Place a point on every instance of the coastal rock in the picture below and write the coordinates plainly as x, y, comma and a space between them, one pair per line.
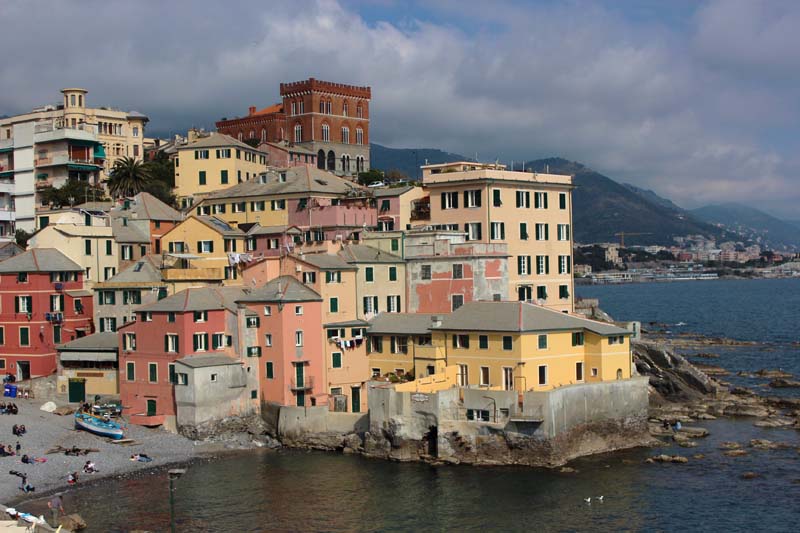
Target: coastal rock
781, 383
730, 445
764, 444
72, 522
671, 376
664, 458
746, 410
698, 456
706, 355
735, 453
750, 475
766, 373
694, 433
712, 370
775, 422
567, 470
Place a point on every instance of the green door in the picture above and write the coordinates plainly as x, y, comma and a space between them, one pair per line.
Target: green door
355, 399
299, 375
151, 408
77, 390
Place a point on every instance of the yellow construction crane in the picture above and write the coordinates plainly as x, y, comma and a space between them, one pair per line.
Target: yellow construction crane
622, 234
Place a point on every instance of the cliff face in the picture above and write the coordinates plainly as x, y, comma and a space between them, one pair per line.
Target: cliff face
672, 378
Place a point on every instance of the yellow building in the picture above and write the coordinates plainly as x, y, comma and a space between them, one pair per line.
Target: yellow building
530, 212
380, 280
212, 163
88, 366
204, 246
503, 346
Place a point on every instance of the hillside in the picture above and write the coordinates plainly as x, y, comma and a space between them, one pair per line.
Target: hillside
603, 207
652, 197
408, 160
751, 224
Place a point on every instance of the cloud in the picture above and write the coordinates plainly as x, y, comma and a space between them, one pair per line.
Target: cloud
690, 110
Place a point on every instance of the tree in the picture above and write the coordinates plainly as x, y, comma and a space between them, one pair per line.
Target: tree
22, 236
129, 177
371, 176
162, 169
73, 192
253, 141
162, 191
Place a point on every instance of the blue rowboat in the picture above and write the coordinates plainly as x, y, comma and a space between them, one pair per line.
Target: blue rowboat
98, 426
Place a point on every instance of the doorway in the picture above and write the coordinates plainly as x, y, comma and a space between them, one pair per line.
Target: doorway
355, 397
77, 390
23, 370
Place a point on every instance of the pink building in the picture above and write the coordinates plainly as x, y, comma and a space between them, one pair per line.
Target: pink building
284, 154
43, 303
190, 323
289, 316
325, 218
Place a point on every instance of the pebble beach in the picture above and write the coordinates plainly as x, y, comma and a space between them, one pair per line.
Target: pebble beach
46, 431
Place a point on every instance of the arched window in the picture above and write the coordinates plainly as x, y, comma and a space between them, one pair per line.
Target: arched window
359, 136
322, 106
345, 135
359, 112
347, 164
326, 133
328, 107
331, 161
298, 133
359, 164
321, 159
240, 135
252, 134
264, 135
344, 108
619, 373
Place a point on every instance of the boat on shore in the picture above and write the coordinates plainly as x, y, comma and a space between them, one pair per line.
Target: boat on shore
98, 426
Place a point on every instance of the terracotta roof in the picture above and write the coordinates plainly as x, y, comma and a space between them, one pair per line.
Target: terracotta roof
275, 108
298, 180
282, 289
217, 140
361, 253
198, 299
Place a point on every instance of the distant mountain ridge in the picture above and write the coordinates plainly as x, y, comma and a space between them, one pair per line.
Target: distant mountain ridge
751, 224
602, 206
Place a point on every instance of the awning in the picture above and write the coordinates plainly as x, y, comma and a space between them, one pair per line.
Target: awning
41, 176
89, 356
99, 152
89, 168
184, 256
9, 149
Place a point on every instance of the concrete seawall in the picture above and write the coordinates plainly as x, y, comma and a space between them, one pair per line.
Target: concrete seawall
477, 426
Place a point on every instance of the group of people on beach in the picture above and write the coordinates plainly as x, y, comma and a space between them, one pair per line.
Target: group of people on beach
8, 408
19, 430
7, 451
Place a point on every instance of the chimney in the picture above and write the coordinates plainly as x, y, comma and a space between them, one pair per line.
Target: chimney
251, 110
192, 135
436, 321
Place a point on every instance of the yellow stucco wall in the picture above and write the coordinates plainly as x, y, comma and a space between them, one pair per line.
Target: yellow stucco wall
188, 168
103, 382
70, 240
190, 231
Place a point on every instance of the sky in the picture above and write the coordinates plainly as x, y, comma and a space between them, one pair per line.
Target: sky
696, 100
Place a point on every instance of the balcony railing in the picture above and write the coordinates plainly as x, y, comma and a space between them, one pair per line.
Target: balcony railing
303, 384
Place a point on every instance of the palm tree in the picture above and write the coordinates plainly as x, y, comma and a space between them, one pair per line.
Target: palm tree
129, 176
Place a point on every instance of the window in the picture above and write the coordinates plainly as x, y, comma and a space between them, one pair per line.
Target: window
223, 153
205, 247
173, 376
562, 200
525, 293
425, 272
472, 198
542, 264
484, 375
458, 271
473, 230
336, 360
392, 273
425, 340
268, 340
171, 343
201, 154
541, 292
523, 265
309, 277
463, 375
132, 297
594, 372
376, 344
109, 272
171, 317
252, 321
460, 341
542, 374
24, 336
22, 277
270, 370
498, 231
563, 292
87, 247
393, 303
616, 339
563, 232
278, 205
298, 310
56, 303
483, 342
298, 338
130, 371
540, 200
238, 207
24, 304
152, 372
579, 371
201, 177
129, 342
564, 264
370, 304
108, 324
200, 316
496, 199
258, 206
369, 274
345, 135
333, 277
359, 136
200, 342
457, 301
326, 133
542, 342
254, 351
181, 378
449, 200
127, 252
334, 305
298, 133
523, 199
2, 338
267, 310
109, 247
542, 232
508, 342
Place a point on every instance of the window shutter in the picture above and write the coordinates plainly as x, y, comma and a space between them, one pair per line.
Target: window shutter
519, 264
479, 236
113, 298
16, 304
375, 302
478, 198
569, 265
519, 198
544, 195
398, 304
61, 302
567, 231
205, 338
444, 200
547, 264
497, 201
366, 303
466, 198
166, 343
547, 232
503, 231
527, 198
528, 263
195, 344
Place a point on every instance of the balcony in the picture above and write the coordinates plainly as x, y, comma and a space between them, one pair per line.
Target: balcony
65, 159
421, 209
193, 274
306, 383
7, 214
6, 186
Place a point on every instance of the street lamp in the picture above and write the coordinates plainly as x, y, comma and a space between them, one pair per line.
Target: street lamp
173, 474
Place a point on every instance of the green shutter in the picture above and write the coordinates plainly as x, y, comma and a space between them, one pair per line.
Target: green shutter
205, 338
369, 274
395, 245
87, 247
16, 304
392, 273
497, 201
270, 370
166, 343
131, 371
173, 376
109, 245
153, 372
334, 305
24, 336
223, 177
483, 342
202, 178
195, 344
337, 360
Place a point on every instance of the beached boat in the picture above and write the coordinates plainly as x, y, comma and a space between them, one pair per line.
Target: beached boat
98, 426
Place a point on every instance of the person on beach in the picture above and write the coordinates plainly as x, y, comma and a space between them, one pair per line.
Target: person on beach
56, 506
72, 479
26, 487
18, 447
89, 467
31, 460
